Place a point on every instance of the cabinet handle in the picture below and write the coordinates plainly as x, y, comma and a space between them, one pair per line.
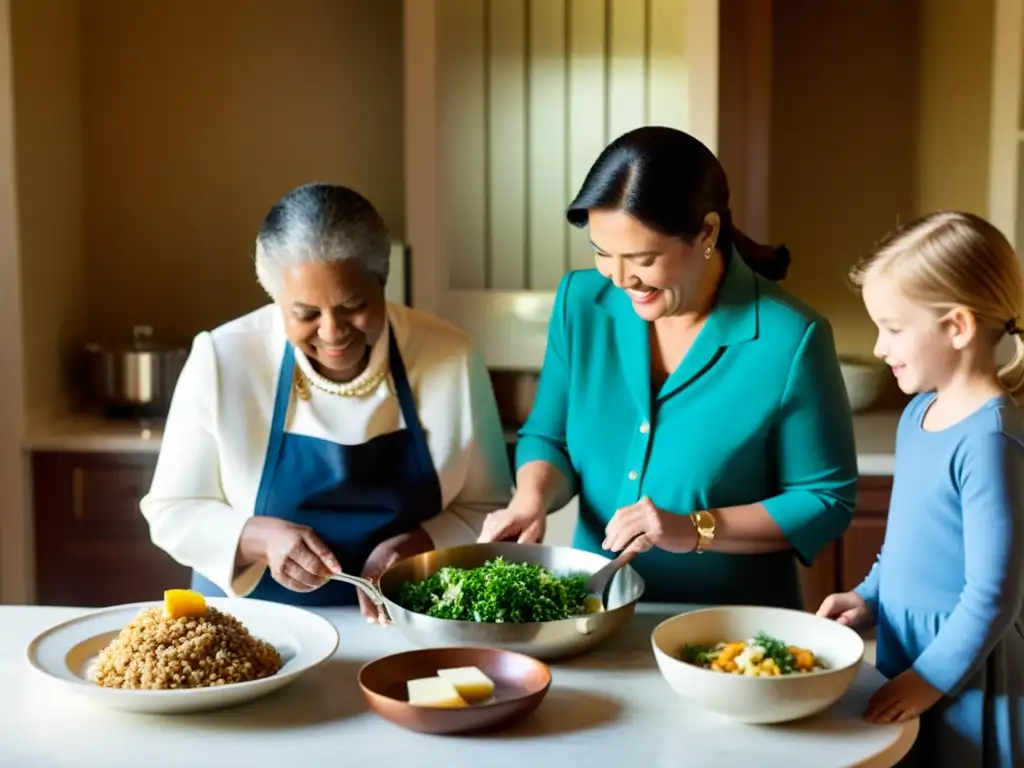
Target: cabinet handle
78, 494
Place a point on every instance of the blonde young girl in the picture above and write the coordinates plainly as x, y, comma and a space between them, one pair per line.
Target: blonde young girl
947, 588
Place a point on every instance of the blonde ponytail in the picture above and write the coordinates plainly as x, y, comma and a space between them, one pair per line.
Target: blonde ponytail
1011, 375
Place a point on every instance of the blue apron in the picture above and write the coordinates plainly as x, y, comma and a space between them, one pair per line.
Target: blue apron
353, 496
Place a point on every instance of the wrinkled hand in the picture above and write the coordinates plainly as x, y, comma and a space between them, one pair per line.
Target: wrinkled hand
847, 608
903, 698
525, 520
641, 526
297, 558
383, 556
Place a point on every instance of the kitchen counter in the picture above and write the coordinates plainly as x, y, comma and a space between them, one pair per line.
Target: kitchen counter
610, 707
875, 436
87, 433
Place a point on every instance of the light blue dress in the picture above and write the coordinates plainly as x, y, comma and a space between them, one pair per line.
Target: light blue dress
948, 586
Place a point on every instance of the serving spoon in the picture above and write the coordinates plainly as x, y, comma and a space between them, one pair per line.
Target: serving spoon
599, 581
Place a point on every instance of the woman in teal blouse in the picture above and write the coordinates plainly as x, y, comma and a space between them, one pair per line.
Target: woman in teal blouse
696, 408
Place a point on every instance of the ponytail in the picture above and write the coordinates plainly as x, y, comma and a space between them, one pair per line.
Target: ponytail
769, 261
1011, 375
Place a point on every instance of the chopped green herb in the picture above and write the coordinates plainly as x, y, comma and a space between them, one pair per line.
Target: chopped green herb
700, 654
498, 592
776, 650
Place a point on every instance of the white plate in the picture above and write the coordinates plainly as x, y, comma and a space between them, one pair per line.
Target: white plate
65, 653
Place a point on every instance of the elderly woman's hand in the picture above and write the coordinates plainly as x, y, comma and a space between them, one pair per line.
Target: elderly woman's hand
641, 526
384, 555
297, 558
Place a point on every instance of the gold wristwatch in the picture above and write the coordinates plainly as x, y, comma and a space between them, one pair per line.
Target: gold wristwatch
704, 524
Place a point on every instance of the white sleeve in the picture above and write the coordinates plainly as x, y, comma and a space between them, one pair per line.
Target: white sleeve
487, 485
185, 508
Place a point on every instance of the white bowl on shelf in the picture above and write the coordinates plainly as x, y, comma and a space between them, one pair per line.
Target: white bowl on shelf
865, 380
758, 700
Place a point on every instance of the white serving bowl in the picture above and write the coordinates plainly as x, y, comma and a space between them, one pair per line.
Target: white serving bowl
758, 699
864, 379
65, 653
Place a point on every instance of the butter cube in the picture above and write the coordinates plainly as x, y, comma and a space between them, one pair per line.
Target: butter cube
472, 684
434, 692
179, 603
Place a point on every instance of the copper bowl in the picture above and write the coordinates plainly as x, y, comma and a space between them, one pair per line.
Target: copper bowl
520, 684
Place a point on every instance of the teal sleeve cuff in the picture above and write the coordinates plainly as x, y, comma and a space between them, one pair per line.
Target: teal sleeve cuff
809, 520
533, 448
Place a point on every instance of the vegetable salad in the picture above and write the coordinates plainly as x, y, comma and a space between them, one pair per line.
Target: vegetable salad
760, 656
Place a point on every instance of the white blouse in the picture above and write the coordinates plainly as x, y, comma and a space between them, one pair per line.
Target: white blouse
217, 431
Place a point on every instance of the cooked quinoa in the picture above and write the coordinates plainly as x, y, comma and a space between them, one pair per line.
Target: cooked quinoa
156, 652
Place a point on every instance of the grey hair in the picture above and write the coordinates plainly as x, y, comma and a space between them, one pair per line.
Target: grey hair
320, 223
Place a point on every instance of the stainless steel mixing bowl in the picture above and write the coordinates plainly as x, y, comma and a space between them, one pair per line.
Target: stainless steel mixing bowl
547, 641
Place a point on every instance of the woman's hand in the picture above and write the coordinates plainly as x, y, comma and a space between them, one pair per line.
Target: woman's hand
847, 608
384, 555
641, 526
298, 559
524, 520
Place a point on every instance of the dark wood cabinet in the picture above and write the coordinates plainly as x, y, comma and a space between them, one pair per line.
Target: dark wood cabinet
92, 543
843, 564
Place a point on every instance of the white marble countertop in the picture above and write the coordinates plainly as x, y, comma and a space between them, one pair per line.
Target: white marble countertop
610, 707
875, 436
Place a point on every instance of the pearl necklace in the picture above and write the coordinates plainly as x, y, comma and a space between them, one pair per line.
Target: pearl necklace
363, 384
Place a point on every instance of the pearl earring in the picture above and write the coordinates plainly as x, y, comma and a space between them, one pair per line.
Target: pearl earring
707, 253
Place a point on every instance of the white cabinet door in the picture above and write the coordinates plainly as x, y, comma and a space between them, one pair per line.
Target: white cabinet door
508, 103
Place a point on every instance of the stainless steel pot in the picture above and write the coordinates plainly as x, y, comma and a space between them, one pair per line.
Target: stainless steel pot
546, 641
137, 377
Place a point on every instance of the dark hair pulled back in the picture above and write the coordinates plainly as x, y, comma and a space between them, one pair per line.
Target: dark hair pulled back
670, 181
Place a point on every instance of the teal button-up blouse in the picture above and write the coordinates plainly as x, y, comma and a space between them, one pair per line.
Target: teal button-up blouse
756, 412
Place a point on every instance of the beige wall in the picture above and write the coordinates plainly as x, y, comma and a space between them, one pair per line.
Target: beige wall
45, 56
880, 112
198, 115
843, 130
954, 102
155, 135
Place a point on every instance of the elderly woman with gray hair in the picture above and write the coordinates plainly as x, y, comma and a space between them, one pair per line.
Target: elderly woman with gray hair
328, 431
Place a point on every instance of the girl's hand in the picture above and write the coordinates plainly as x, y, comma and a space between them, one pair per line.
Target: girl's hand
903, 698
642, 525
848, 608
